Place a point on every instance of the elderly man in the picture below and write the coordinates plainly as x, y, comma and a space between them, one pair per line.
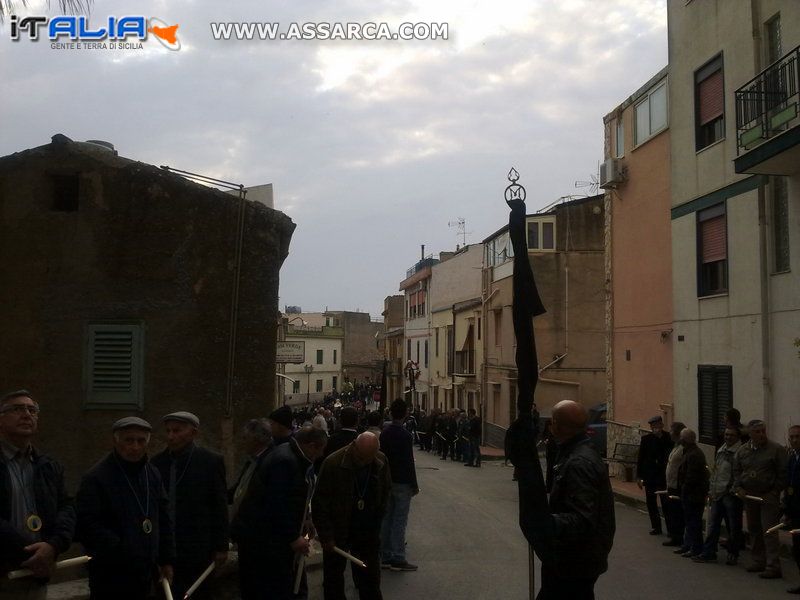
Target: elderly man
582, 506
693, 485
651, 469
270, 525
37, 517
674, 510
724, 504
792, 496
760, 471
347, 509
194, 479
257, 442
123, 518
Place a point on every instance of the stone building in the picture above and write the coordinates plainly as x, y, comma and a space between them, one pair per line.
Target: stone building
127, 289
565, 248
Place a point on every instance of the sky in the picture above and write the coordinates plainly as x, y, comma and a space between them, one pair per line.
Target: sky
373, 147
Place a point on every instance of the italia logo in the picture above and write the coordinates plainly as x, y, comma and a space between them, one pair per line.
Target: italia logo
77, 29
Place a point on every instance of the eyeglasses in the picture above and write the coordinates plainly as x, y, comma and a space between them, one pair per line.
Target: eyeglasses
18, 409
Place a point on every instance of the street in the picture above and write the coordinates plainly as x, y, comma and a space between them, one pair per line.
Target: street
463, 534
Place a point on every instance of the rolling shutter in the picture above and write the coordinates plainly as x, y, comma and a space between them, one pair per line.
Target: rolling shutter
711, 98
714, 238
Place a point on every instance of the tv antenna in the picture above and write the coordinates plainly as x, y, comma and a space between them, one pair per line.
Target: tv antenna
461, 224
593, 184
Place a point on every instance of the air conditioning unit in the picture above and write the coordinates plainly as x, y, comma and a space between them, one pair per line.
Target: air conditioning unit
610, 173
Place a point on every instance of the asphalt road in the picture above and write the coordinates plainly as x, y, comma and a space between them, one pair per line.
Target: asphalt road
463, 534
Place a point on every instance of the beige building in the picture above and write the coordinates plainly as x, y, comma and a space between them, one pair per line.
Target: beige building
565, 249
321, 371
417, 328
455, 325
636, 179
392, 344
735, 166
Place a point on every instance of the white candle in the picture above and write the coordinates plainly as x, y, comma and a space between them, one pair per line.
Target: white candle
62, 564
349, 557
200, 580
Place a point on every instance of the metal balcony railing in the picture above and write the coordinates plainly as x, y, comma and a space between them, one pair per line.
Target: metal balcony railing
766, 104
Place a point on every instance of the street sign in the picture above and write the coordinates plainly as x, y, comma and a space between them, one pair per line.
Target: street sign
291, 352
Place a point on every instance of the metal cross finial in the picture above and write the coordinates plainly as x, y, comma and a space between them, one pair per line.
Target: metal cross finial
515, 194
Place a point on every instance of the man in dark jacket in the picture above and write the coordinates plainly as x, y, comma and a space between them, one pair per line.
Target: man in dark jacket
347, 509
398, 446
791, 498
269, 526
257, 441
693, 485
194, 479
474, 436
651, 469
581, 530
123, 518
37, 517
348, 419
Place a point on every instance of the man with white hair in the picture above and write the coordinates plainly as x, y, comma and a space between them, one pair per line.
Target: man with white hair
693, 485
123, 518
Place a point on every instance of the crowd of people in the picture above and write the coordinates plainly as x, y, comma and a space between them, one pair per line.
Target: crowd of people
167, 520
752, 478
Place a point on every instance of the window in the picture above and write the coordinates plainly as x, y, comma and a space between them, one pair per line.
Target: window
773, 48
709, 99
541, 235
114, 366
479, 328
408, 350
715, 398
426, 353
650, 114
619, 139
319, 357
335, 381
417, 351
450, 350
334, 356
712, 251
436, 350
499, 250
295, 387
498, 327
780, 224
319, 385
66, 192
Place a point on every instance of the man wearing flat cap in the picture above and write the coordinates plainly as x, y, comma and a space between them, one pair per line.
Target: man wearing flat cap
37, 517
123, 518
651, 470
194, 479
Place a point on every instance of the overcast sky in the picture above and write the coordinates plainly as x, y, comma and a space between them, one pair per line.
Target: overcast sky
372, 147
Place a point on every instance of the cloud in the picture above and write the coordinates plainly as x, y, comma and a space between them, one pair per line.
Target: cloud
372, 147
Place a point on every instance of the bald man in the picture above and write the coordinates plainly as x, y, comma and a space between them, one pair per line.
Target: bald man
348, 507
582, 509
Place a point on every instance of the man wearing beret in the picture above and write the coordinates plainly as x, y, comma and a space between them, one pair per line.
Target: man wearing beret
194, 479
651, 470
37, 517
123, 518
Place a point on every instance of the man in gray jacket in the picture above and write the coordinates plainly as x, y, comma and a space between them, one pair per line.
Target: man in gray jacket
760, 472
724, 504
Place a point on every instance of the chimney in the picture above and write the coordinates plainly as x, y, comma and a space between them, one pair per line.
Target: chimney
422, 252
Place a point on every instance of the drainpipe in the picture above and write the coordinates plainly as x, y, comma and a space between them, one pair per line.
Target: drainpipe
765, 305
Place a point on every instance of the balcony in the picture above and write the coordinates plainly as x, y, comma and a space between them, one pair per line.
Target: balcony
767, 123
464, 363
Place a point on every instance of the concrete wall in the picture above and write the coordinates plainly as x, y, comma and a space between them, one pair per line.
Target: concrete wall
143, 246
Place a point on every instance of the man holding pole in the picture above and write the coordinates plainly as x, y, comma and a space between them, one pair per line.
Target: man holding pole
270, 526
348, 507
194, 479
37, 517
123, 518
759, 477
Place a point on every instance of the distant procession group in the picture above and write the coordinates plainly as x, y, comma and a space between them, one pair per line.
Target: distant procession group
166, 523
